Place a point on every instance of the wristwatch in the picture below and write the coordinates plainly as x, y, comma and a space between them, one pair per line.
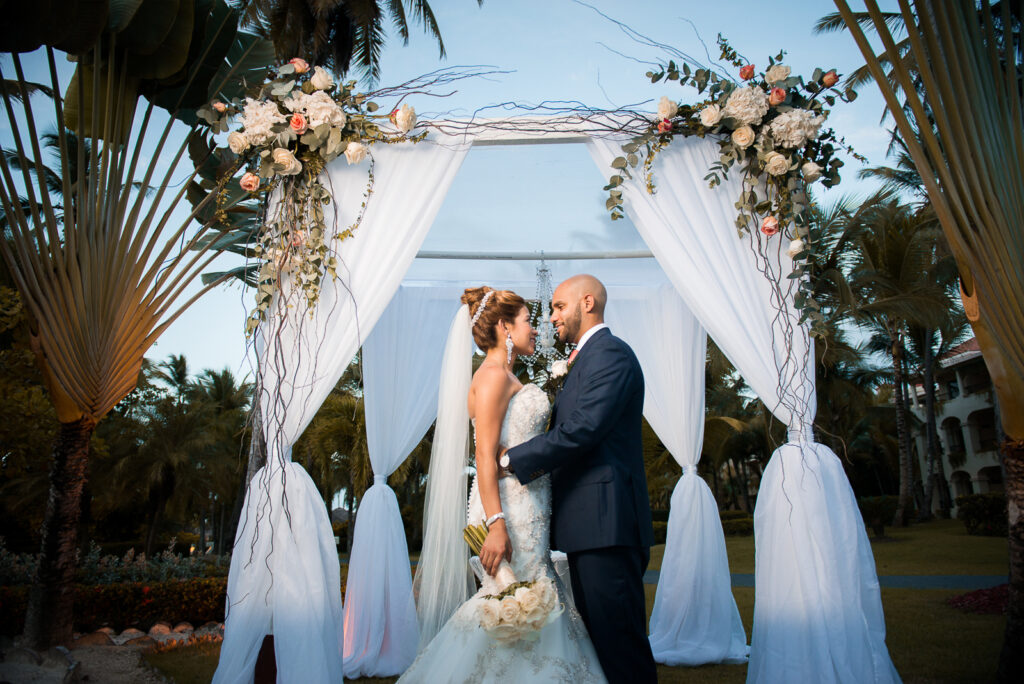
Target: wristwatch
503, 461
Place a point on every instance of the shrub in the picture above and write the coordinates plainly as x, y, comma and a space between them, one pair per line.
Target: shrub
983, 514
659, 515
732, 515
660, 531
739, 527
878, 511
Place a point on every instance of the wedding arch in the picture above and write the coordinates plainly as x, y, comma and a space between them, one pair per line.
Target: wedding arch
818, 612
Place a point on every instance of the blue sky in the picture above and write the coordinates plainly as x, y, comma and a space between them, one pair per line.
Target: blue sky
549, 197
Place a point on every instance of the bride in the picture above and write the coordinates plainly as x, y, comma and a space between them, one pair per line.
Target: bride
504, 412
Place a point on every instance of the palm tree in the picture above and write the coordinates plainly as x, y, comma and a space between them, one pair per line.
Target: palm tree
890, 288
338, 34
970, 113
102, 281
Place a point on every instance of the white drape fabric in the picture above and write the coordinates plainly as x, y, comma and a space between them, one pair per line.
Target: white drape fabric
818, 614
695, 619
292, 588
443, 579
401, 371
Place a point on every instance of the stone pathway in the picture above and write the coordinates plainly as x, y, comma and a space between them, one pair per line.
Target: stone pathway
961, 582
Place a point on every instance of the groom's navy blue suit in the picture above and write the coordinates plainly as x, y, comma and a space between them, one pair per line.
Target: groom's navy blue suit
601, 516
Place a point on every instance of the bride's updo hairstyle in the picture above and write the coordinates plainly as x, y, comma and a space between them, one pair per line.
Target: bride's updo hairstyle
503, 305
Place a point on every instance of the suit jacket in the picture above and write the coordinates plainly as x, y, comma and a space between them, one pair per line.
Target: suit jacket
594, 452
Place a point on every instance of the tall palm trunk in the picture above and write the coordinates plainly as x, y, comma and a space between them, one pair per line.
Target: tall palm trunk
49, 618
936, 480
902, 516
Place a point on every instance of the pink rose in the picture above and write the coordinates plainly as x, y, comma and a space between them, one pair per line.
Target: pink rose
301, 65
830, 79
393, 116
776, 96
298, 123
770, 226
665, 126
250, 182
298, 238
220, 107
747, 72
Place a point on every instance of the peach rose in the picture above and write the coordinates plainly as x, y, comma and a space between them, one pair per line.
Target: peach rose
355, 152
301, 65
220, 107
770, 226
830, 78
298, 123
776, 96
250, 182
298, 238
665, 126
743, 137
747, 72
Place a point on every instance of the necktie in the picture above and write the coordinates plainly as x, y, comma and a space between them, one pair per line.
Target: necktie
572, 355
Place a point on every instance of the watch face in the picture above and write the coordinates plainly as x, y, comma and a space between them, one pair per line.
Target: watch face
503, 461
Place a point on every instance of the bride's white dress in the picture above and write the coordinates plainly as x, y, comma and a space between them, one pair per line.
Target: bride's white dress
462, 651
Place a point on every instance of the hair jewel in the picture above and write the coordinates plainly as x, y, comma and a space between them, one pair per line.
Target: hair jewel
480, 310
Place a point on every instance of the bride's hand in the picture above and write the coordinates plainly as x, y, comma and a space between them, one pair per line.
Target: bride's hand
497, 546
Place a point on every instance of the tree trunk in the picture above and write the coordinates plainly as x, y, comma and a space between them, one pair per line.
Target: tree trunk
1011, 660
49, 619
902, 516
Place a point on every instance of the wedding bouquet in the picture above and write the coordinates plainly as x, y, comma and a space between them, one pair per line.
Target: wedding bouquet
521, 609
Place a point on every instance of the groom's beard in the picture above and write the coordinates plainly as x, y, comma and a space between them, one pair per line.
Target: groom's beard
570, 330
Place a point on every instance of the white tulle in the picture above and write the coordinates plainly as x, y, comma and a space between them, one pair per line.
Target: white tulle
443, 579
695, 619
722, 278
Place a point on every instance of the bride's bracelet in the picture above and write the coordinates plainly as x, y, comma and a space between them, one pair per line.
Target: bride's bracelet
500, 515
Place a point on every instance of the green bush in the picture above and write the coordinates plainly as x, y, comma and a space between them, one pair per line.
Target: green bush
739, 527
659, 515
660, 531
128, 604
983, 514
733, 515
878, 511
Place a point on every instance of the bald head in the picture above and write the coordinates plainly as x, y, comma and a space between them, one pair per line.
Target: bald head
578, 305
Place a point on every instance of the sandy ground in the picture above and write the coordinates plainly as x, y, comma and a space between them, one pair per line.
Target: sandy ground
96, 664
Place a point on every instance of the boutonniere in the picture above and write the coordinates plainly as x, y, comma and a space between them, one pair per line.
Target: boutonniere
556, 378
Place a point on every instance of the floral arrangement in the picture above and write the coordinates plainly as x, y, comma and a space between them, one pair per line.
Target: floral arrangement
521, 609
294, 123
770, 124
556, 378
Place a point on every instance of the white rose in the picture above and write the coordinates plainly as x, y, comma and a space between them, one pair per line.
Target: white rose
794, 128
777, 72
405, 119
508, 609
811, 172
559, 368
505, 633
321, 80
711, 115
666, 108
355, 152
746, 105
285, 162
487, 612
258, 118
237, 142
743, 137
776, 164
795, 247
528, 600
546, 592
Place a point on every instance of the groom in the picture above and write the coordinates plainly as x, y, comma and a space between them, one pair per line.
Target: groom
601, 517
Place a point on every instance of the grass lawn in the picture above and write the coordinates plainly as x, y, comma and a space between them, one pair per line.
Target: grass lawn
930, 642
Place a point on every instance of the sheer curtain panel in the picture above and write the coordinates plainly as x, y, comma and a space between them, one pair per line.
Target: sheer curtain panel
818, 611
695, 619
401, 372
285, 577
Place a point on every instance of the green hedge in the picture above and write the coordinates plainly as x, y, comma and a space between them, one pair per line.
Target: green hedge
738, 527
660, 531
128, 604
733, 515
878, 511
983, 514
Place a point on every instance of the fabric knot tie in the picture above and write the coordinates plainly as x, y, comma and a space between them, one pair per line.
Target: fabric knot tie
380, 479
800, 435
689, 469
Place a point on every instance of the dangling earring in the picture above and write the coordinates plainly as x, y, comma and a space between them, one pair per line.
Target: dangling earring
508, 347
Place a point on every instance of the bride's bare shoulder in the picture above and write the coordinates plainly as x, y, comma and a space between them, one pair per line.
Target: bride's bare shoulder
491, 387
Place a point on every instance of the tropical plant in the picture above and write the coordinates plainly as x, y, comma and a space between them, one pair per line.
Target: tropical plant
970, 114
99, 265
336, 33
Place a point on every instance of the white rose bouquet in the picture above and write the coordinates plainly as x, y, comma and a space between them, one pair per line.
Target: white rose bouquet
520, 611
556, 378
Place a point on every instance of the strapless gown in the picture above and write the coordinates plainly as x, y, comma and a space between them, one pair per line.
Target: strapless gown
462, 652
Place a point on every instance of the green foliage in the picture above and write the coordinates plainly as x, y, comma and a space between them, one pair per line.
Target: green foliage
983, 514
660, 531
738, 527
878, 511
